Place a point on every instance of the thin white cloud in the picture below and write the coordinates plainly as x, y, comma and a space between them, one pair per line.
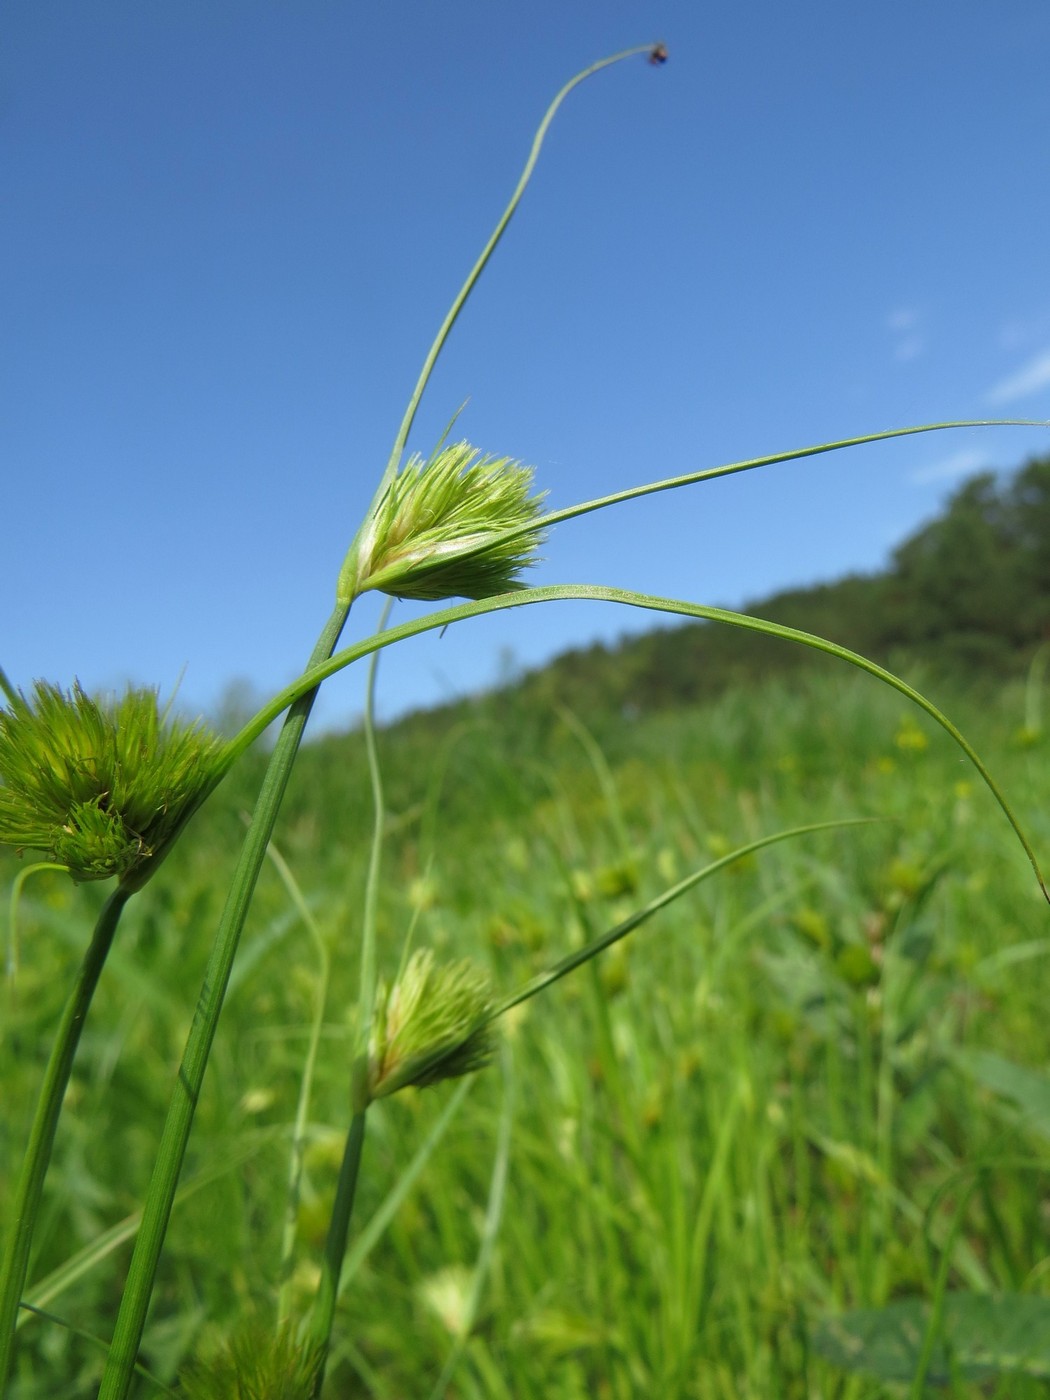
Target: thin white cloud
962, 463
910, 347
1020, 332
905, 324
1012, 335
1030, 379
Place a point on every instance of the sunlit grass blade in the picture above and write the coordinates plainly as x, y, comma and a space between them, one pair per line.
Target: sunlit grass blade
532, 529
10, 694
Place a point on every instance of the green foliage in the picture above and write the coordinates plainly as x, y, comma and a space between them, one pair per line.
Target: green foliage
460, 525
101, 788
977, 578
738, 1144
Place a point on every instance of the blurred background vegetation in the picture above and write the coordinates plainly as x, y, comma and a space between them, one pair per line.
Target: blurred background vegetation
812, 1092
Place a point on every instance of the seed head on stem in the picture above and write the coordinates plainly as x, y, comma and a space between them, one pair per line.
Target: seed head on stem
441, 529
102, 789
433, 1023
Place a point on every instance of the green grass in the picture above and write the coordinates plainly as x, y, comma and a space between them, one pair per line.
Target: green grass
749, 1115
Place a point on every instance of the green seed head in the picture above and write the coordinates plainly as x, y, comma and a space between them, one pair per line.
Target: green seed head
255, 1365
438, 531
432, 1024
101, 788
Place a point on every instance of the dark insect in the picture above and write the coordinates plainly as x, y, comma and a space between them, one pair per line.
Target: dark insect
658, 53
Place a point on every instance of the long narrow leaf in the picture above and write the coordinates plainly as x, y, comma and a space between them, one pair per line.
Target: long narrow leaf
598, 594
672, 483
606, 940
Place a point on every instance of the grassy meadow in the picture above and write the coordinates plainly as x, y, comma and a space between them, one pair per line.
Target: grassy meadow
815, 1084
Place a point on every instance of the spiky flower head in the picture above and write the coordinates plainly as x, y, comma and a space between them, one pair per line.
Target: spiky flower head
256, 1365
432, 1024
437, 532
101, 788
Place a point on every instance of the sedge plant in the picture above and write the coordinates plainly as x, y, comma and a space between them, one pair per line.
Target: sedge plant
104, 790
459, 523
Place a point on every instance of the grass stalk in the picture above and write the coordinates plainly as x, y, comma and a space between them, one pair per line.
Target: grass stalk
459, 302
339, 1225
368, 1238
138, 1290
28, 1191
131, 1318
302, 1108
159, 1388
335, 1242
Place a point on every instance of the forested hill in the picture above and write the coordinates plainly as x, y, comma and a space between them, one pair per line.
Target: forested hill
968, 592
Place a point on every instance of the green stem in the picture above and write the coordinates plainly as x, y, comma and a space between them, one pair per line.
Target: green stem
142, 1273
302, 1108
367, 988
490, 248
335, 1244
30, 1186
158, 1385
347, 576
339, 1226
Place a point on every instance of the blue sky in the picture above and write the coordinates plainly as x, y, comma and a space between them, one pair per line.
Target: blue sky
229, 231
